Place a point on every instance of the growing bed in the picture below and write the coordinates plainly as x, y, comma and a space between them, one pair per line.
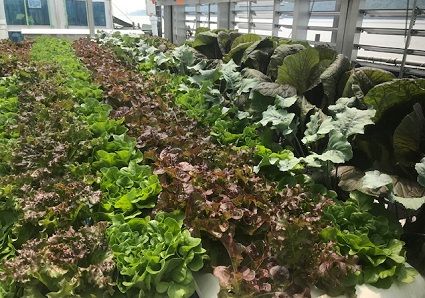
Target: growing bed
130, 166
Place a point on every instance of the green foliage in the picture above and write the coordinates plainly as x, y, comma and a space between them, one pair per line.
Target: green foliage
337, 151
52, 239
362, 79
278, 56
331, 76
409, 137
51, 266
194, 102
373, 239
206, 42
420, 168
234, 132
238, 47
245, 108
284, 160
300, 70
257, 55
280, 120
129, 188
394, 93
155, 257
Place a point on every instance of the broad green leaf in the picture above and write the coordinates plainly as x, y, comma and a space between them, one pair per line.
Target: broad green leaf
162, 287
329, 234
180, 291
353, 121
236, 53
409, 203
250, 73
388, 272
365, 78
285, 102
230, 75
406, 274
409, 137
300, 70
279, 54
311, 134
272, 90
184, 54
204, 39
205, 76
257, 55
245, 38
375, 180
395, 93
338, 150
224, 42
370, 275
239, 45
280, 119
326, 52
284, 160
327, 125
124, 203
342, 104
331, 76
207, 44
420, 169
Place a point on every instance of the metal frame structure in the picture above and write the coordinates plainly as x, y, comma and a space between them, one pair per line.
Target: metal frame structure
347, 25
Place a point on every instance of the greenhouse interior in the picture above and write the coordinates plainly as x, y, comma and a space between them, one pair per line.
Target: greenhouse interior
212, 149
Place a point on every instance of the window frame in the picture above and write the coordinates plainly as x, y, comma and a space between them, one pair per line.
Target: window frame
85, 24
45, 7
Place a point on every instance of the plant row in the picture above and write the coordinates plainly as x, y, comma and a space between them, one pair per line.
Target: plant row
245, 108
76, 196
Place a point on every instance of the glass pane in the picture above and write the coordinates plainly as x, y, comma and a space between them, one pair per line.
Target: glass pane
77, 12
391, 4
99, 13
15, 12
38, 12
323, 5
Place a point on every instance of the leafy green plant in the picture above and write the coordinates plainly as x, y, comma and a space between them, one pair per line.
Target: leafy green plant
373, 239
129, 188
66, 264
155, 257
311, 133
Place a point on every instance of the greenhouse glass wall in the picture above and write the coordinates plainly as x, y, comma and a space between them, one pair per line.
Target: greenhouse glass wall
365, 30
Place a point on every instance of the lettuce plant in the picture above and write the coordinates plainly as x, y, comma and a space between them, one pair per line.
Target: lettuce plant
374, 240
129, 188
155, 257
66, 264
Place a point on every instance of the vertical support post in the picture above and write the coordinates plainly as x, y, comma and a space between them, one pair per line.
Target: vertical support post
90, 17
350, 20
58, 14
249, 16
109, 15
408, 39
232, 15
159, 16
168, 22
223, 15
3, 24
276, 17
338, 6
209, 15
197, 15
300, 20
179, 24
